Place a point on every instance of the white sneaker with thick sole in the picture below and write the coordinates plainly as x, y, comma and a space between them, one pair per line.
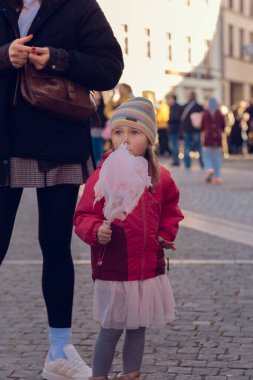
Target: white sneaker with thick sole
72, 368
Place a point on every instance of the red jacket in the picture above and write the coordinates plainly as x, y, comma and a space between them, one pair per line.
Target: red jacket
133, 252
212, 126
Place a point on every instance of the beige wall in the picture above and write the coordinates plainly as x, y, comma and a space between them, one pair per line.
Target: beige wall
237, 69
199, 21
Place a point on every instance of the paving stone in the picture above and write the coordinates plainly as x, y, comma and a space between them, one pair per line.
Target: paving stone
218, 364
239, 377
193, 363
232, 372
205, 371
188, 377
161, 376
180, 369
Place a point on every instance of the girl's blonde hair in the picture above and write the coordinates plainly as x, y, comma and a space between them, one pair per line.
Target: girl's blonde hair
153, 165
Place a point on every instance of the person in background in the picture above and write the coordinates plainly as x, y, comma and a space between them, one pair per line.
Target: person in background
131, 290
162, 117
174, 128
125, 92
249, 112
235, 140
97, 125
191, 135
212, 127
71, 39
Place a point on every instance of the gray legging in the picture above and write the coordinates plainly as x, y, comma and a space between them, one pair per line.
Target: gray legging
105, 346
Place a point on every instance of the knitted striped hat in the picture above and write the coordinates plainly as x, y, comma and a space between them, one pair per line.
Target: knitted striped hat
138, 113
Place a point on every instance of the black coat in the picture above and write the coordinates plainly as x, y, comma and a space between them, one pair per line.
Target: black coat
186, 123
81, 29
174, 120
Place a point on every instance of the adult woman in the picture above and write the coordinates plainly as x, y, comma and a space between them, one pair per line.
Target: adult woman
71, 38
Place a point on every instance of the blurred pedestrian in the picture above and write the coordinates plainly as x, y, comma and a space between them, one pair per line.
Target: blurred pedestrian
131, 290
174, 128
49, 153
97, 126
235, 137
212, 127
123, 93
191, 133
249, 111
162, 117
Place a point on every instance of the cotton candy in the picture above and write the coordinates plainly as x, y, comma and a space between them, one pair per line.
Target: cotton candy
122, 180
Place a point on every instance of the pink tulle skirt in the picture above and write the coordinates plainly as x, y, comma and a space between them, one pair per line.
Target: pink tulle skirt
133, 304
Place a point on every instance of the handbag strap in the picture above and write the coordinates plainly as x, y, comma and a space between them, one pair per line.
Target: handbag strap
187, 110
18, 76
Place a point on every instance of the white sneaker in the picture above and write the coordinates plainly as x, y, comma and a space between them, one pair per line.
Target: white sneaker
72, 368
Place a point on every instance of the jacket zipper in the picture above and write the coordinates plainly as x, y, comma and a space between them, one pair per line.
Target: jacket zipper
145, 237
101, 256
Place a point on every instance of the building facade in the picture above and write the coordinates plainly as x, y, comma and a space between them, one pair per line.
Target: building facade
237, 32
169, 46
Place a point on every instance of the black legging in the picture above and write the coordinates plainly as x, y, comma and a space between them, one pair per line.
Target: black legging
56, 206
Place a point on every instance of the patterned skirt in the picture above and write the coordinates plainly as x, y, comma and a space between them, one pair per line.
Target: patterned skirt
25, 173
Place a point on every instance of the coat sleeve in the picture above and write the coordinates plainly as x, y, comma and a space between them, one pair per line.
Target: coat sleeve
203, 122
5, 63
97, 61
222, 122
88, 217
171, 214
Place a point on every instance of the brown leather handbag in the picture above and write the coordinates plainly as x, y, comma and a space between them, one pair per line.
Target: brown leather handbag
56, 95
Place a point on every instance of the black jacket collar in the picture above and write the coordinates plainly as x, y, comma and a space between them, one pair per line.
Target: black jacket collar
44, 13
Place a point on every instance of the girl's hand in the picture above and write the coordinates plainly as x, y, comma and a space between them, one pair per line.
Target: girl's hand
104, 234
18, 52
166, 244
39, 57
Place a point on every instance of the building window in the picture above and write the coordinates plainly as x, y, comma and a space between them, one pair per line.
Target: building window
236, 92
230, 41
148, 42
242, 6
241, 42
125, 38
189, 49
251, 43
251, 7
169, 39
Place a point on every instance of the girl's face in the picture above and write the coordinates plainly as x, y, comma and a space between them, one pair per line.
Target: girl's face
137, 142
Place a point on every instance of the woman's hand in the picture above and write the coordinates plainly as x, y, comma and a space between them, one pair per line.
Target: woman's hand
18, 52
104, 234
166, 244
39, 57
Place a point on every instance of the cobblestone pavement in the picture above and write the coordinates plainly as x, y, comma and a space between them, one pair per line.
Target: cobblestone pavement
212, 337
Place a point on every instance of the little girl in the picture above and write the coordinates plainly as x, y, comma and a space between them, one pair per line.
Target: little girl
131, 290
